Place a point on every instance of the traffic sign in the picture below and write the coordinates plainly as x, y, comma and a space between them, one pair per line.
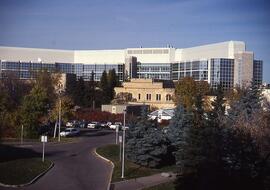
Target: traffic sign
44, 138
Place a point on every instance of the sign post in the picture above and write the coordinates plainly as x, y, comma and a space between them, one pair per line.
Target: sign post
116, 134
59, 122
44, 139
123, 152
120, 146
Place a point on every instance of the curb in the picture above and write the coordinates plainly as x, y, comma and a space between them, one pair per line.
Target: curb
31, 182
156, 184
109, 161
37, 143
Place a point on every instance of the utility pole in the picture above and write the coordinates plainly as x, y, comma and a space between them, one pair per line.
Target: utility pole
120, 148
55, 127
116, 134
123, 152
59, 123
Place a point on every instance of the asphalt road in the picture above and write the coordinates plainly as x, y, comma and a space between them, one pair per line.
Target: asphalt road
76, 166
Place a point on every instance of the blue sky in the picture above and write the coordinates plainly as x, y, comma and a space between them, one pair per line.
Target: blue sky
103, 24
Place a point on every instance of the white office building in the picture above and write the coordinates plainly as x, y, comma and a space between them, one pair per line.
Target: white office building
227, 63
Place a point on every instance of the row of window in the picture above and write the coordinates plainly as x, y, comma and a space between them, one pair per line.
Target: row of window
158, 97
27, 70
148, 51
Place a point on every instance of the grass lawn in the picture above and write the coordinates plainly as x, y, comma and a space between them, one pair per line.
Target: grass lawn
132, 170
167, 186
22, 170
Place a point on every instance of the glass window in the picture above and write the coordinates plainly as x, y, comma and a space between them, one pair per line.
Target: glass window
158, 97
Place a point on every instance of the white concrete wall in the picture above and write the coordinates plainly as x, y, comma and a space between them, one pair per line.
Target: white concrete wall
144, 55
178, 55
35, 55
151, 55
217, 50
99, 56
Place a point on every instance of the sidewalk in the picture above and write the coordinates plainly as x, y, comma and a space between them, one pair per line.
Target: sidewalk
142, 182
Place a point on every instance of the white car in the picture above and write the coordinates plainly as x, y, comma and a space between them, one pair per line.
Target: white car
68, 132
69, 124
92, 125
115, 125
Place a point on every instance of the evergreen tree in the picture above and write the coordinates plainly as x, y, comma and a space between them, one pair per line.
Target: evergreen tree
198, 111
89, 95
249, 103
104, 81
79, 92
112, 82
188, 153
93, 88
217, 112
196, 151
180, 120
243, 159
104, 86
71, 85
146, 144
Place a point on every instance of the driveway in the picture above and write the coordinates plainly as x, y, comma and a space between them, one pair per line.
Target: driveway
76, 166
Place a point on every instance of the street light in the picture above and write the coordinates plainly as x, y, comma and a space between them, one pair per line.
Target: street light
59, 116
123, 152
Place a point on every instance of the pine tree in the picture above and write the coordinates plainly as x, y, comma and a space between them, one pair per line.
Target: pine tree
79, 93
196, 153
103, 81
198, 111
104, 87
249, 103
89, 95
146, 144
113, 81
93, 88
241, 149
216, 115
71, 84
180, 120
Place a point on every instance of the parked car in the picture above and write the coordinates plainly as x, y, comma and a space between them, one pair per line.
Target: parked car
69, 124
105, 124
93, 125
115, 125
69, 132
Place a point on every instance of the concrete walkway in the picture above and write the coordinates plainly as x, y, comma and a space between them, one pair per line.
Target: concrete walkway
142, 182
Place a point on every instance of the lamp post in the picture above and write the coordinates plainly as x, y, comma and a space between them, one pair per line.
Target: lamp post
59, 116
123, 152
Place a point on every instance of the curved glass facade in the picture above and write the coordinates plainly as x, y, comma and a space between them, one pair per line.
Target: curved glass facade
28, 70
196, 69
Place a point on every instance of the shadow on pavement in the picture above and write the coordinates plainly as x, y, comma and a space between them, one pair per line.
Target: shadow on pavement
9, 153
95, 133
54, 153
